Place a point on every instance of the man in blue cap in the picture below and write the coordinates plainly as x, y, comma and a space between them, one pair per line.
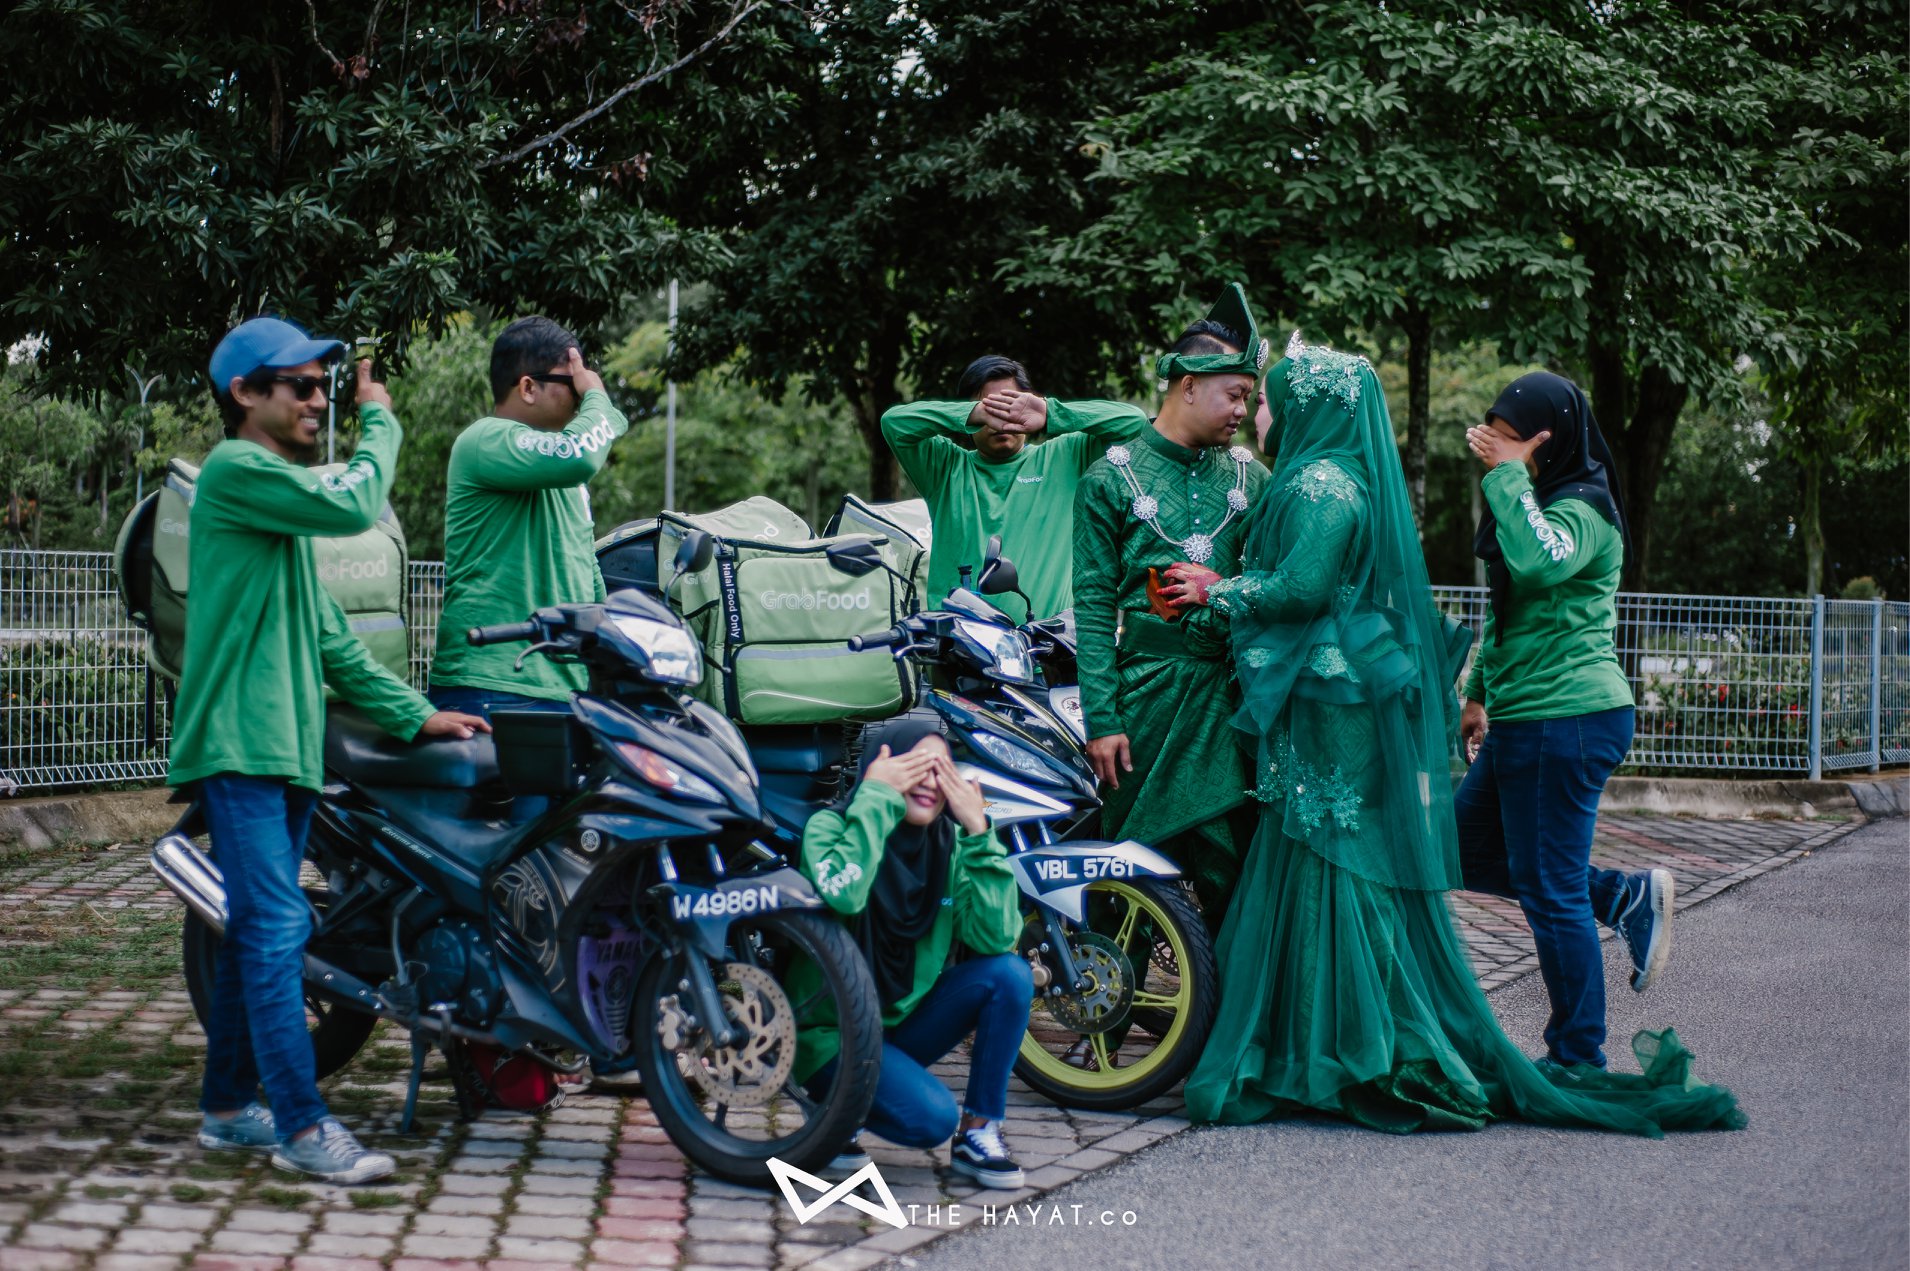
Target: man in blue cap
262, 640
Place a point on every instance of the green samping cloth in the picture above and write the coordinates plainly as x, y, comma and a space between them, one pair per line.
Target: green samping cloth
1345, 987
1169, 690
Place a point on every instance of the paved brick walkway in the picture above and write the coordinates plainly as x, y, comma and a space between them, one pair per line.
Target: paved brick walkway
99, 1059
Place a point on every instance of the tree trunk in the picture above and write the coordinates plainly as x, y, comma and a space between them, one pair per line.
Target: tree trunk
1418, 326
874, 391
1637, 415
1813, 526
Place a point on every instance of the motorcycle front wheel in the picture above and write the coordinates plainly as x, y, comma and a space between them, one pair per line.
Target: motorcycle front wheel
1152, 993
730, 1109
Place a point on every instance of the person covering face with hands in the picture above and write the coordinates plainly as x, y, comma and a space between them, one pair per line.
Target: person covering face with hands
909, 859
263, 638
1548, 711
518, 535
1004, 485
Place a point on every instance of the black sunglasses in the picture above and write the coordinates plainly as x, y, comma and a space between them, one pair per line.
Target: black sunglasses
303, 386
568, 381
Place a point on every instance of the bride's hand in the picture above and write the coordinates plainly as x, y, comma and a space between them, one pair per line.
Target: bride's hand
1187, 584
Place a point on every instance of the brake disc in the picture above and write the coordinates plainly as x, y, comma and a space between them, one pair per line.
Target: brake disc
1103, 1003
753, 1071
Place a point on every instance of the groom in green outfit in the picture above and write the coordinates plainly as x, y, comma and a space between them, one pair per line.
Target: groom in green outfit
1158, 698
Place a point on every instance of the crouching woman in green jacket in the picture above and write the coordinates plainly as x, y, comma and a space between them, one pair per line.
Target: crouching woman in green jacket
910, 861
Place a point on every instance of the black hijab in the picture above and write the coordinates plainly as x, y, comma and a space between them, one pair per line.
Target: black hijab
1574, 464
913, 876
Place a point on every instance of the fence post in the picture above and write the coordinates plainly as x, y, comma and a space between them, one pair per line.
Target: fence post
1876, 685
1817, 689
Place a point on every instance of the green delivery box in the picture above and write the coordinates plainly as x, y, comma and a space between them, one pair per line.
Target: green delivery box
775, 618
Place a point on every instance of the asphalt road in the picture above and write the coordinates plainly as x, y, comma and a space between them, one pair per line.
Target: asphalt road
1793, 989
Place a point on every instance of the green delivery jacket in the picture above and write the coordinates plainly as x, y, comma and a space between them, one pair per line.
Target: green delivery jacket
841, 854
1028, 500
263, 636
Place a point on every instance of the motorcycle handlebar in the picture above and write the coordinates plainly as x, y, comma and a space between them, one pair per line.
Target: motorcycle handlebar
503, 633
877, 639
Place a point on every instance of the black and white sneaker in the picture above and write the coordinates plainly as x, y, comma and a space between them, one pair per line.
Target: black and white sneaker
980, 1153
1643, 921
849, 1160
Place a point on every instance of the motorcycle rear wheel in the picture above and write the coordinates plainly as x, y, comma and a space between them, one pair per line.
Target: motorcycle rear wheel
338, 1032
682, 1083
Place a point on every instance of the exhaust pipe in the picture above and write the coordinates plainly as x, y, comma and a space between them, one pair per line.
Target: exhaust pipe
193, 878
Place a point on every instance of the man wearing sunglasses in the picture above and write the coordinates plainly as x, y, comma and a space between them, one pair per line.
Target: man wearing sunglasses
262, 640
517, 528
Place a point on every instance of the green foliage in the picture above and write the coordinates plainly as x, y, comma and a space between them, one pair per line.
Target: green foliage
898, 155
171, 168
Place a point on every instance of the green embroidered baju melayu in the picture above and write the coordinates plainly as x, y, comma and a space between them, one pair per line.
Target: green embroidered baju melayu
1168, 690
1344, 985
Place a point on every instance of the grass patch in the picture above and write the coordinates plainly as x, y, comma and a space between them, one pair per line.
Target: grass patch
282, 1197
95, 1192
188, 1193
212, 1169
376, 1200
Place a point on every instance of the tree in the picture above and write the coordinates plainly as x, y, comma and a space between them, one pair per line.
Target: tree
1581, 185
899, 155
173, 168
1836, 377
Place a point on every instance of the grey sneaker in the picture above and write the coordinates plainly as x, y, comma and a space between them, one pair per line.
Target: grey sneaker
251, 1130
333, 1155
1643, 921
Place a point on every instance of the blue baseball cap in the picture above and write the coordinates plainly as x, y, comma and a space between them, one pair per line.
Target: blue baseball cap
266, 342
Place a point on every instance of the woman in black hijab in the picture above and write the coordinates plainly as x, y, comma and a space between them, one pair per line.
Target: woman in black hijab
909, 859
1548, 679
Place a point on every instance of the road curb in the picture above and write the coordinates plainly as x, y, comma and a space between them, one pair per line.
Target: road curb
1871, 795
118, 816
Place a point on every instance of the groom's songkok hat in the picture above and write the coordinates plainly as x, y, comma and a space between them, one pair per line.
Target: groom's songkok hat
1229, 311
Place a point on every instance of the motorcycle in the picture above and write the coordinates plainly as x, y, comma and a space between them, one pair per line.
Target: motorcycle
638, 923
1116, 944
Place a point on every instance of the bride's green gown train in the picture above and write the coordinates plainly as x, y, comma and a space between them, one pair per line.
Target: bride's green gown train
1345, 987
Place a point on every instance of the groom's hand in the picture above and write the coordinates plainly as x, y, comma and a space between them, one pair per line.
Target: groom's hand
1110, 756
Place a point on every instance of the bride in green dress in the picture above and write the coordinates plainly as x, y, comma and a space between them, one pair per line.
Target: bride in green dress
1345, 988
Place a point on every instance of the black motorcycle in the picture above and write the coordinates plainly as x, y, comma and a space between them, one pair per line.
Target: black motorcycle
638, 922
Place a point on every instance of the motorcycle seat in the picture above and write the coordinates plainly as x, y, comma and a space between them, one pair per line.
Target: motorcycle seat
793, 748
362, 752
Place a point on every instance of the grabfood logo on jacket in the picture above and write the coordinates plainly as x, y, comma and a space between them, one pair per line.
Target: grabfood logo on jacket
568, 445
1556, 542
334, 570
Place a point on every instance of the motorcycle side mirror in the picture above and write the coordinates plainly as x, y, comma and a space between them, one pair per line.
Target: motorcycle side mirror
998, 576
695, 552
854, 557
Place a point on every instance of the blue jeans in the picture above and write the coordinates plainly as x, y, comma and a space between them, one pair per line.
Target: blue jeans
481, 702
255, 1023
1527, 809
987, 996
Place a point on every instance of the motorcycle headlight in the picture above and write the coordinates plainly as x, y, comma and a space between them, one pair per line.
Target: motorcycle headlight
672, 651
1013, 757
664, 775
1007, 649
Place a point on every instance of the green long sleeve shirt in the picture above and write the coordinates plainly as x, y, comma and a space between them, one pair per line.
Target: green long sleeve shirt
1113, 550
263, 637
517, 538
1557, 658
1028, 499
841, 852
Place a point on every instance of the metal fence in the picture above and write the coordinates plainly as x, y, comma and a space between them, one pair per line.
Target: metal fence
1723, 683
1757, 684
